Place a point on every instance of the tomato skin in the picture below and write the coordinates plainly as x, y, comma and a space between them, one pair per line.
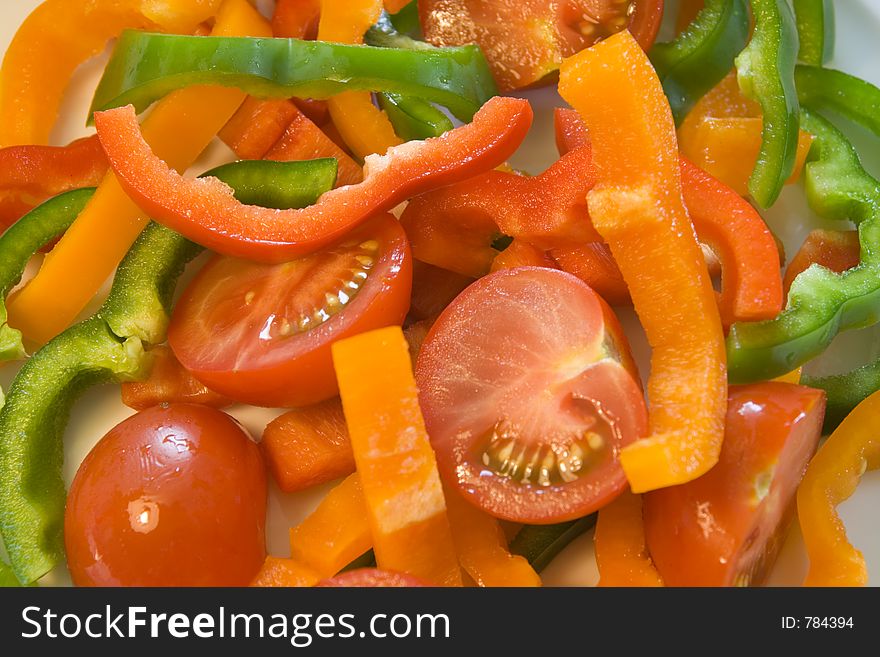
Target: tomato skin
221, 346
172, 496
371, 578
726, 527
536, 348
525, 40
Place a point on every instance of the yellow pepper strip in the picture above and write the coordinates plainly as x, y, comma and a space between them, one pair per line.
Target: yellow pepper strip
395, 461
336, 533
791, 377
637, 208
58, 36
621, 550
482, 547
178, 130
831, 478
363, 126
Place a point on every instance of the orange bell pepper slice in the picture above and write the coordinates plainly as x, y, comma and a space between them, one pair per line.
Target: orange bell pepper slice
621, 549
336, 533
308, 446
257, 126
395, 461
521, 253
482, 546
751, 288
296, 18
284, 572
31, 174
178, 129
832, 476
303, 140
169, 382
364, 127
637, 208
837, 250
56, 38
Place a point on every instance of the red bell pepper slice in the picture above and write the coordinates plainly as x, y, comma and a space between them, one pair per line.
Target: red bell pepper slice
751, 285
837, 250
31, 174
206, 211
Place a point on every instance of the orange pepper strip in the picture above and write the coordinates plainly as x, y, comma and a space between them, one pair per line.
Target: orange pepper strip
482, 547
521, 253
364, 127
398, 471
296, 18
284, 572
394, 6
621, 550
56, 38
728, 147
308, 446
336, 533
637, 208
256, 126
831, 478
178, 130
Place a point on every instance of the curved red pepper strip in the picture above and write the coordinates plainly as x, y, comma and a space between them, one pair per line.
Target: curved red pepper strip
31, 174
454, 228
751, 283
205, 211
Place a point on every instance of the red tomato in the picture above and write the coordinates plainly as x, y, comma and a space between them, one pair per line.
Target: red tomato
524, 40
528, 392
371, 578
261, 333
172, 496
726, 527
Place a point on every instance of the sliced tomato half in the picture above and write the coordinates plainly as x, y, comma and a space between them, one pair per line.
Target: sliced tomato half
726, 527
524, 40
529, 392
261, 333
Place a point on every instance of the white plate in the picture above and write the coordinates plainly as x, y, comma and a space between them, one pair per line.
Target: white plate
858, 24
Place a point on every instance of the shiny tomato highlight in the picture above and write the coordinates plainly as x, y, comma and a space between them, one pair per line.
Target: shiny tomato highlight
529, 392
261, 333
172, 496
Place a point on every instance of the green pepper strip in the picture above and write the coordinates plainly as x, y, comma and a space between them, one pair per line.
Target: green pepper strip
765, 72
109, 346
821, 303
845, 391
823, 89
411, 116
146, 66
815, 26
20, 242
699, 58
406, 21
540, 544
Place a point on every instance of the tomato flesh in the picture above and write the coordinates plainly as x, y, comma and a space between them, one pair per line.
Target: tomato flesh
261, 333
371, 578
528, 393
726, 527
525, 40
173, 496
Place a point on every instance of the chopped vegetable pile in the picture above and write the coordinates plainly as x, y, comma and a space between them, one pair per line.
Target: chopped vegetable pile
437, 331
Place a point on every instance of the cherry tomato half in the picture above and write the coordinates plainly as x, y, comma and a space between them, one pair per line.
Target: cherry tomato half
524, 40
172, 496
726, 527
529, 392
261, 334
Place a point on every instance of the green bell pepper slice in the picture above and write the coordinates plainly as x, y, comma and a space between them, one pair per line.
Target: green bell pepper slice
109, 346
824, 89
699, 58
20, 242
411, 116
540, 544
815, 26
820, 303
146, 66
765, 72
845, 391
